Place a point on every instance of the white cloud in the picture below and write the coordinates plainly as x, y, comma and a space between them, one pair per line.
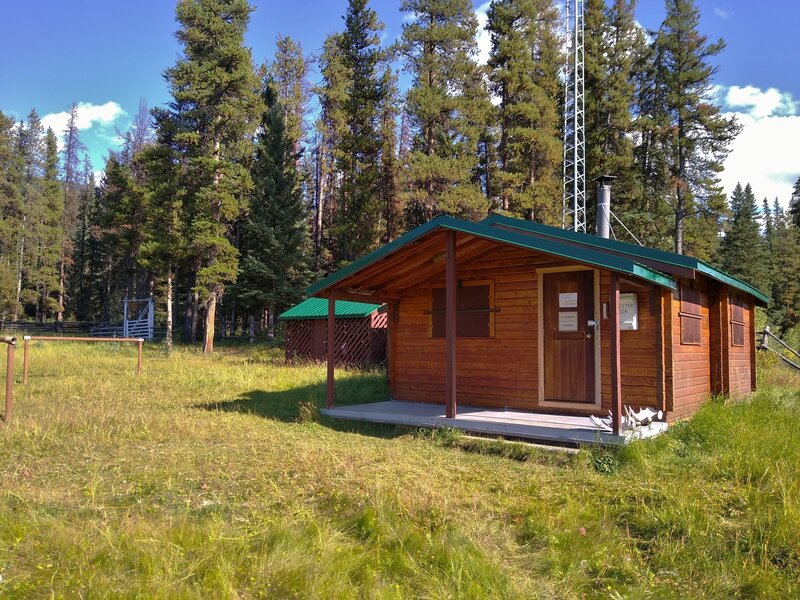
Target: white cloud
722, 13
766, 154
483, 38
758, 103
89, 115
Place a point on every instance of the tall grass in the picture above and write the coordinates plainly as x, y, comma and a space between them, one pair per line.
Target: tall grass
215, 477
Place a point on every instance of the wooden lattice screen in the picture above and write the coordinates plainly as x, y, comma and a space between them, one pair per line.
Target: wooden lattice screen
360, 342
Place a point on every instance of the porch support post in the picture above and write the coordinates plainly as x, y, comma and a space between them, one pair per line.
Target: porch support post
450, 327
331, 347
616, 373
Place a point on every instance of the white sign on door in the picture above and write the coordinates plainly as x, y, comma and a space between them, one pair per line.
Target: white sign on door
568, 321
628, 312
568, 300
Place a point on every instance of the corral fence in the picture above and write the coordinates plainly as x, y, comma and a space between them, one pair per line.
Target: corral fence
770, 342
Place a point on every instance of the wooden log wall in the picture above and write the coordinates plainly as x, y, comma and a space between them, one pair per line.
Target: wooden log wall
502, 371
691, 377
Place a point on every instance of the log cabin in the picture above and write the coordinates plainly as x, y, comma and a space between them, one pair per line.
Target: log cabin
511, 315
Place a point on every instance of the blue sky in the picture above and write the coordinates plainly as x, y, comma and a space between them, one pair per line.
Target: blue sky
108, 54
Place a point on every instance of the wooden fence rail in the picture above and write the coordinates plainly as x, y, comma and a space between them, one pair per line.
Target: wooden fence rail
763, 344
45, 338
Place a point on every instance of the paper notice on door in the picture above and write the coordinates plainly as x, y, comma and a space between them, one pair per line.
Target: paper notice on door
568, 300
568, 321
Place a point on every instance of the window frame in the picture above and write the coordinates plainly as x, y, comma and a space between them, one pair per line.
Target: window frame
688, 314
462, 284
737, 325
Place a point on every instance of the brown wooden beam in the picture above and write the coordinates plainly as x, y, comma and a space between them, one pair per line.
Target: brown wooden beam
450, 326
331, 348
616, 371
338, 294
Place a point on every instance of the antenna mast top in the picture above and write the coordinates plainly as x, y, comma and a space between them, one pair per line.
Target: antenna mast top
573, 214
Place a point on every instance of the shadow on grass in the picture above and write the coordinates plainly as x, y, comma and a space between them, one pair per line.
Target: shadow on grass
288, 405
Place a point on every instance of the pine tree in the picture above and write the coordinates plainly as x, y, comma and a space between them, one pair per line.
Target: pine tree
275, 264
448, 109
784, 309
31, 149
215, 102
742, 251
389, 162
11, 211
524, 64
71, 168
358, 219
698, 136
614, 51
794, 203
331, 127
289, 72
46, 236
163, 243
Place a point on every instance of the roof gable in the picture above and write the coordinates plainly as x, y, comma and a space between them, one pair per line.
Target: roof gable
585, 255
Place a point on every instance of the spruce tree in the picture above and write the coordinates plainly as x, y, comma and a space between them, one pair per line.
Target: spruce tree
448, 109
697, 135
214, 88
330, 128
275, 263
742, 250
784, 309
523, 71
71, 169
615, 48
289, 73
794, 203
163, 246
11, 210
358, 218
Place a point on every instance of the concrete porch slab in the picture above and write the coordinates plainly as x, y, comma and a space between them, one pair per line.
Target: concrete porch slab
543, 427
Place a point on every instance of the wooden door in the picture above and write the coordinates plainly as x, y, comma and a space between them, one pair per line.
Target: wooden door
569, 352
319, 335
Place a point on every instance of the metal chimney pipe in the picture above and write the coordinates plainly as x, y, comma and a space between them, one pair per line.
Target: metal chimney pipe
603, 219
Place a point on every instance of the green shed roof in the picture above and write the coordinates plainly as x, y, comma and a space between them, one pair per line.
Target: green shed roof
641, 252
317, 308
585, 255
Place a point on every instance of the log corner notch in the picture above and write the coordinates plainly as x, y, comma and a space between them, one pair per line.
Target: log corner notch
331, 349
450, 327
616, 370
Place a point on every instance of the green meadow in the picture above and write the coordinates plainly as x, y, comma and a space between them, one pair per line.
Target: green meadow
216, 477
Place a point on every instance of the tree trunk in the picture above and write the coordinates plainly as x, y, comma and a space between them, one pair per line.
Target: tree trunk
211, 312
187, 319
195, 300
61, 276
169, 309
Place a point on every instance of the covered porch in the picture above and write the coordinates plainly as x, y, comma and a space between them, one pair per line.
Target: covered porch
523, 425
441, 377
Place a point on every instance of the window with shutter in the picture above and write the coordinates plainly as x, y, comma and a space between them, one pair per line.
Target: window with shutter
737, 321
474, 310
691, 315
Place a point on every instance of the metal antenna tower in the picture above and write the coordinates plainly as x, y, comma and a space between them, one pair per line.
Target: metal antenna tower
573, 214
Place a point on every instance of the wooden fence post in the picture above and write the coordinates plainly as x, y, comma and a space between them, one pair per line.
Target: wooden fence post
11, 342
27, 341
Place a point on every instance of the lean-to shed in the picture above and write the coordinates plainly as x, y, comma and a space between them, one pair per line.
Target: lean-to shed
360, 332
512, 315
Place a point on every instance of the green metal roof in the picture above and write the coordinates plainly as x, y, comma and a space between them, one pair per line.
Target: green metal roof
642, 252
317, 308
553, 247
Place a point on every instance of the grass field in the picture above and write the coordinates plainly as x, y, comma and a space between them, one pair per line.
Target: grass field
215, 478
